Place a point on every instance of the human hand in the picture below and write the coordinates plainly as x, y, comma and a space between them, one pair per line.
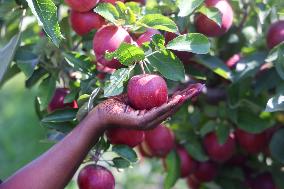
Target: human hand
116, 111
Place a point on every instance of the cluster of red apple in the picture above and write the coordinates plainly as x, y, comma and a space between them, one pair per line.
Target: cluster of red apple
147, 91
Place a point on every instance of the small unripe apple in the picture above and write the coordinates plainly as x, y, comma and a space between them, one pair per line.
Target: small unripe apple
147, 91
81, 5
109, 38
219, 152
252, 143
233, 61
147, 36
95, 177
158, 142
275, 34
57, 101
183, 56
193, 183
263, 181
206, 171
210, 28
127, 137
187, 164
84, 22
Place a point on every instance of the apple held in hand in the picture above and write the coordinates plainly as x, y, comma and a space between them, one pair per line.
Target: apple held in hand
158, 142
95, 177
147, 91
127, 137
208, 27
252, 143
275, 34
82, 5
109, 38
84, 22
57, 101
219, 152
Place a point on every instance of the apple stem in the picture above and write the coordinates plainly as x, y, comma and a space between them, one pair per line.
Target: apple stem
142, 67
96, 155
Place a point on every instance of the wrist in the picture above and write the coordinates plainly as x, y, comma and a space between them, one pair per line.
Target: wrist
96, 120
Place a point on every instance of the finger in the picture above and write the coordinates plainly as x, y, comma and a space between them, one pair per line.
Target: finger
153, 114
189, 93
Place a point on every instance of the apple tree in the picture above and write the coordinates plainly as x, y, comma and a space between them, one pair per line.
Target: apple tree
81, 52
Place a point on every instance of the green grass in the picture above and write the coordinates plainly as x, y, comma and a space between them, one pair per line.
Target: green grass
20, 132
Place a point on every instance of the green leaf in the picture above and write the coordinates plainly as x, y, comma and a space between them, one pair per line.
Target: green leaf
168, 65
173, 169
127, 14
26, 61
46, 91
115, 85
207, 128
194, 42
46, 13
186, 7
249, 66
158, 41
276, 146
222, 132
212, 13
7, 54
35, 77
250, 122
125, 152
120, 163
64, 127
127, 54
79, 62
279, 61
61, 116
216, 65
108, 11
159, 22
275, 103
195, 149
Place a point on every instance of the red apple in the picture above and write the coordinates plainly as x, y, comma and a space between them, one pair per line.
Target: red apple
208, 27
127, 137
158, 142
110, 1
187, 164
219, 152
233, 61
252, 143
193, 183
109, 38
275, 34
82, 5
183, 56
263, 181
57, 101
237, 160
147, 36
206, 171
147, 91
84, 22
95, 177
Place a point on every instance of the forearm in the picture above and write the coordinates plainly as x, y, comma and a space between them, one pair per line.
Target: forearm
55, 168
